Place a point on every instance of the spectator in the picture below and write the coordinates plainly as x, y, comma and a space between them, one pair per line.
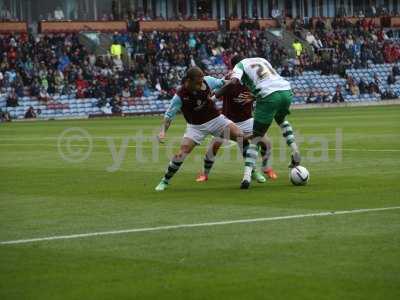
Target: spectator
298, 47
326, 98
81, 87
297, 70
391, 79
5, 14
58, 14
12, 99
337, 97
396, 70
192, 41
141, 81
117, 64
4, 116
64, 62
30, 113
310, 38
389, 94
320, 26
59, 82
276, 14
116, 105
44, 95
377, 81
126, 94
35, 88
352, 87
116, 49
312, 98
111, 88
373, 88
363, 87
106, 109
286, 72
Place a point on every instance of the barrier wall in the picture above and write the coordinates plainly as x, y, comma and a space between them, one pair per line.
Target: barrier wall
76, 26
395, 22
13, 27
264, 23
195, 25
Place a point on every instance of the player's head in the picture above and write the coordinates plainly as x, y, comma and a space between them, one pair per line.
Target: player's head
194, 78
236, 59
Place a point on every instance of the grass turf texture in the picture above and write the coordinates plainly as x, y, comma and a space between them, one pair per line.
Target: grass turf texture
339, 257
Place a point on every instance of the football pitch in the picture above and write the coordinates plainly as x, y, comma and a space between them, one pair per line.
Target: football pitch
79, 217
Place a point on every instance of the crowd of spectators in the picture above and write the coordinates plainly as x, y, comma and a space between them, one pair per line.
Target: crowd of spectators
57, 64
345, 45
139, 63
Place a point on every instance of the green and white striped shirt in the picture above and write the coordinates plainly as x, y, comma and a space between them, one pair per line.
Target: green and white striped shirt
259, 77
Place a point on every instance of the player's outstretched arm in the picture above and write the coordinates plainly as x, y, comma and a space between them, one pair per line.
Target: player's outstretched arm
163, 131
173, 109
227, 87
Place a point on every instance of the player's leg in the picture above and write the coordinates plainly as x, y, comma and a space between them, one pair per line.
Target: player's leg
247, 128
286, 127
263, 117
230, 130
225, 128
235, 133
259, 130
209, 158
186, 147
265, 151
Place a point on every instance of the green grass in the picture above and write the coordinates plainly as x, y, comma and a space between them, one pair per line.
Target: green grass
354, 256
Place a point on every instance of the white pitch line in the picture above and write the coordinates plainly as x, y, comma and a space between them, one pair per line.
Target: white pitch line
179, 226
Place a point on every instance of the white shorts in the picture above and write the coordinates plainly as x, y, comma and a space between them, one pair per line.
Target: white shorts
215, 127
246, 126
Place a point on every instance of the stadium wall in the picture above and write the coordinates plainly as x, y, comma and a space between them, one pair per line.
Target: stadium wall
175, 9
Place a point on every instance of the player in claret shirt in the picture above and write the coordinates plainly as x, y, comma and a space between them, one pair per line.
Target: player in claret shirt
238, 107
194, 99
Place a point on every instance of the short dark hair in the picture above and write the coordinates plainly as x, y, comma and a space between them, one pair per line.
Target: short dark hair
236, 59
194, 72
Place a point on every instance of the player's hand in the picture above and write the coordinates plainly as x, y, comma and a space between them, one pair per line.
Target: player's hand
246, 97
214, 98
161, 137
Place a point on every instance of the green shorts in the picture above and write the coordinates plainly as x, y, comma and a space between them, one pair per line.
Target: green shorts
274, 106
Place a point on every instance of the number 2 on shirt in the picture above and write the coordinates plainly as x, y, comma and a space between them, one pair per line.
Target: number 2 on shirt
263, 70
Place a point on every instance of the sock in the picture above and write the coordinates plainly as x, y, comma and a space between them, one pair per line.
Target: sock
173, 167
244, 148
208, 164
265, 154
287, 132
250, 161
247, 173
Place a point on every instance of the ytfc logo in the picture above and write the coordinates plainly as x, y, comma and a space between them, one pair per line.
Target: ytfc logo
75, 145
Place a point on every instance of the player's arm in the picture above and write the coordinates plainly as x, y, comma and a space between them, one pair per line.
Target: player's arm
174, 107
236, 77
214, 84
246, 98
223, 91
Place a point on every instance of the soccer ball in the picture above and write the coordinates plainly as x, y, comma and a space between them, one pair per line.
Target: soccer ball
299, 175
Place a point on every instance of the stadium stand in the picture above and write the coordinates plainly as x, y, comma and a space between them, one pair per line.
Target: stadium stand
60, 78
